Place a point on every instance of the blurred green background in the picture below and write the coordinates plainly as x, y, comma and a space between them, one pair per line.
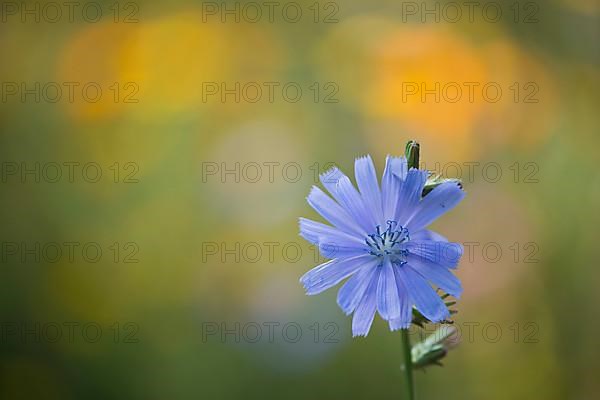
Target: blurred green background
199, 253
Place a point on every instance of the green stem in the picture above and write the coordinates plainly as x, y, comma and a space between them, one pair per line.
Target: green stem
408, 367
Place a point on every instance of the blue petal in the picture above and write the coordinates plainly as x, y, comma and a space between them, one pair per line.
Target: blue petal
425, 298
410, 195
405, 319
441, 199
446, 254
331, 273
348, 198
310, 230
393, 176
352, 292
425, 234
335, 250
365, 312
324, 233
332, 212
400, 323
366, 179
332, 242
436, 274
398, 166
330, 178
388, 301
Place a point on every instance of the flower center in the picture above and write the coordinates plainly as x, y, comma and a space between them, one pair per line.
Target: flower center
388, 243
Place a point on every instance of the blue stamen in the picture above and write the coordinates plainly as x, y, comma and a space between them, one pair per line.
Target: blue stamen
387, 243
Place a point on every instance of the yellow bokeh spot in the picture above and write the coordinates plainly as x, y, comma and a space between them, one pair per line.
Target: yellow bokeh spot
149, 69
88, 72
422, 76
459, 96
170, 58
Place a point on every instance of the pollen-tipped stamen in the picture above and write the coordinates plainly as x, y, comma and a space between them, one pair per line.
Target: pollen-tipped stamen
387, 243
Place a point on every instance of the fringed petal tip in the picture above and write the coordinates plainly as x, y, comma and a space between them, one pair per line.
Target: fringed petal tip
313, 188
332, 175
366, 157
396, 326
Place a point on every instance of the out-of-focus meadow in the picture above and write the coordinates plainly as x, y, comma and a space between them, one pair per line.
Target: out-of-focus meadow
156, 157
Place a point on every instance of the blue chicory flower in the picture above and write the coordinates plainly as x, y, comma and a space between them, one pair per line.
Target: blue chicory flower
380, 242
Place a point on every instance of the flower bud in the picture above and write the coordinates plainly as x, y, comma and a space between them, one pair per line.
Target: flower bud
412, 154
433, 349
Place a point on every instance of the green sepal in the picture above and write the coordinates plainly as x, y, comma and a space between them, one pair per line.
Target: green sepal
434, 181
420, 320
